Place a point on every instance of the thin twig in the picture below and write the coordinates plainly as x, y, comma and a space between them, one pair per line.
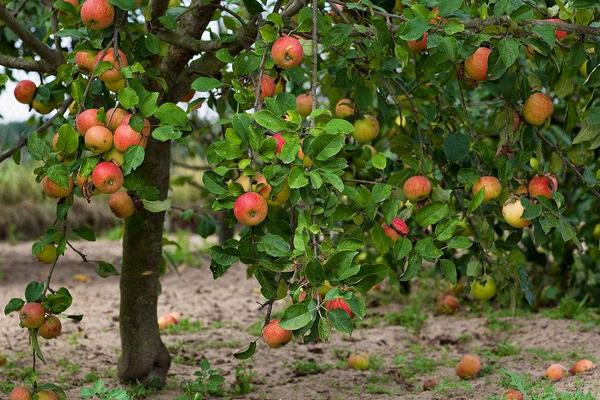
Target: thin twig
315, 59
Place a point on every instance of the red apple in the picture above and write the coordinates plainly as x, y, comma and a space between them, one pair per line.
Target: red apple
560, 35
542, 185
287, 52
339, 304
397, 229
97, 14
86, 119
125, 137
417, 46
20, 393
99, 139
107, 177
275, 336
344, 108
50, 328
491, 187
250, 209
25, 91
468, 367
86, 61
115, 117
56, 191
267, 87
476, 66
448, 304
278, 137
304, 104
32, 315
114, 74
555, 372
121, 204
417, 188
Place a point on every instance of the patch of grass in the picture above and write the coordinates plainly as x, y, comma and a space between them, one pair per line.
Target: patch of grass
184, 326
505, 349
447, 387
378, 384
309, 367
418, 365
412, 317
545, 354
496, 324
537, 389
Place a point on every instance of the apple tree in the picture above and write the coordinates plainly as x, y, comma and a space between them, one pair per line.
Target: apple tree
355, 141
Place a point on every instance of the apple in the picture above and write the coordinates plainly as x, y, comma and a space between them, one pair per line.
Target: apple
121, 204
468, 367
476, 66
491, 187
267, 87
339, 304
417, 46
115, 117
86, 119
485, 290
512, 394
555, 372
55, 191
278, 137
560, 35
47, 394
250, 209
41, 107
304, 104
537, 109
99, 139
50, 328
97, 14
20, 393
287, 52
542, 185
358, 361
48, 255
25, 91
116, 86
114, 156
32, 315
324, 288
146, 130
275, 336
582, 366
112, 75
397, 229
448, 304
344, 108
417, 188
125, 137
307, 162
86, 61
107, 177
365, 129
512, 211
167, 320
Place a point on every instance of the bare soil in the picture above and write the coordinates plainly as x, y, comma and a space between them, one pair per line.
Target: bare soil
401, 359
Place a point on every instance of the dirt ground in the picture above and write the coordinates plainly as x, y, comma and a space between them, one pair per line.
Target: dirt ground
221, 315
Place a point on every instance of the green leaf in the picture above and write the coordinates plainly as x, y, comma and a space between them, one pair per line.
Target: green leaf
37, 147
379, 161
13, 305
128, 98
247, 352
59, 174
128, 5
152, 43
456, 146
427, 249
167, 132
59, 301
314, 272
460, 242
336, 126
267, 119
339, 266
341, 321
453, 26
206, 84
415, 29
171, 114
134, 157
297, 178
546, 32
402, 247
34, 291
412, 269
381, 192
85, 233
157, 206
432, 213
476, 201
105, 269
68, 139
253, 7
296, 316
326, 146
274, 245
448, 270
149, 104
509, 51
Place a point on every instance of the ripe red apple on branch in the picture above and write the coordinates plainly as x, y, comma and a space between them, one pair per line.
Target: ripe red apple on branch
287, 52
275, 336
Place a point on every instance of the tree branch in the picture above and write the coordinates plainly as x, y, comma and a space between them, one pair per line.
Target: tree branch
26, 65
158, 9
185, 42
52, 57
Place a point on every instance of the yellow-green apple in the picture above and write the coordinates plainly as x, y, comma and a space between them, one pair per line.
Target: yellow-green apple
97, 14
358, 361
417, 188
537, 109
20, 393
114, 74
86, 119
512, 211
250, 209
274, 335
54, 190
476, 66
365, 129
485, 290
267, 87
287, 52
25, 91
491, 187
324, 288
32, 315
115, 117
48, 254
115, 86
542, 185
307, 162
86, 60
582, 366
115, 156
560, 35
555, 372
41, 106
448, 304
50, 328
125, 137
47, 394
344, 108
107, 177
417, 46
339, 304
468, 367
99, 139
273, 199
121, 204
278, 137
304, 104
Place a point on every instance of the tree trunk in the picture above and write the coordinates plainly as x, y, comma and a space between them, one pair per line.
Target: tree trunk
144, 357
226, 232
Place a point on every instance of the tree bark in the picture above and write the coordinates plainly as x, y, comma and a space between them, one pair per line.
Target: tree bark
144, 357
